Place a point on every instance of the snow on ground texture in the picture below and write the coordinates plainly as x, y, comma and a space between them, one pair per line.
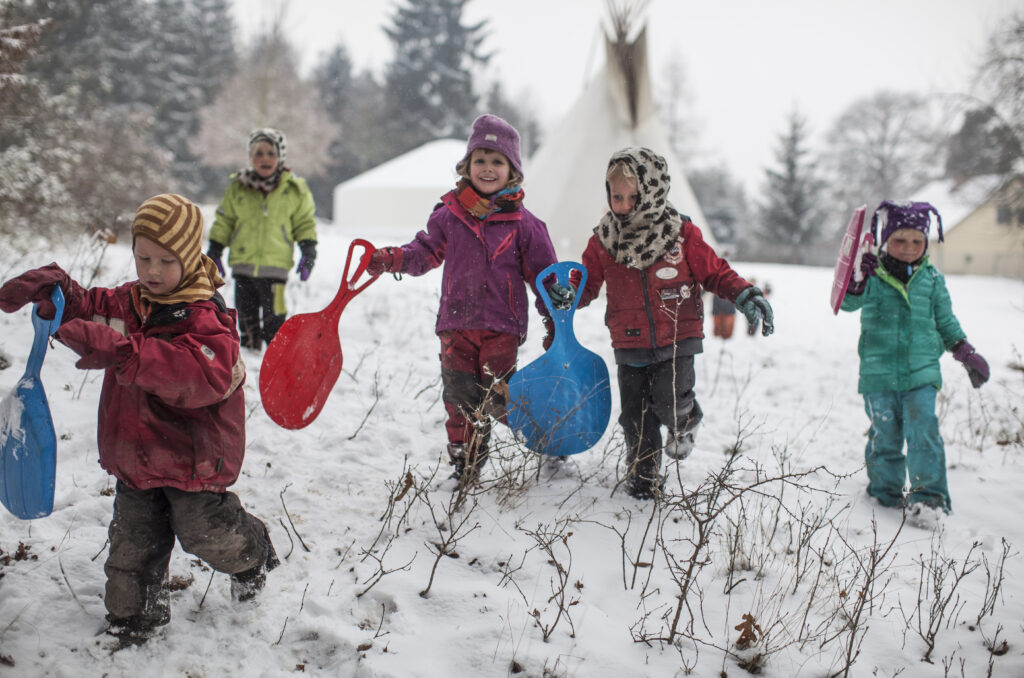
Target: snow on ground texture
793, 552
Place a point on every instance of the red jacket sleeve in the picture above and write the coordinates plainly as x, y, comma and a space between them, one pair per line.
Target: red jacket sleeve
595, 271
189, 370
713, 272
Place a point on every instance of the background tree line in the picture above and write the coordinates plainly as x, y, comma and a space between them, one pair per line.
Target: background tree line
102, 101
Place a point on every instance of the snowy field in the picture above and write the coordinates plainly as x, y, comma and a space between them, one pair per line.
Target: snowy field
549, 571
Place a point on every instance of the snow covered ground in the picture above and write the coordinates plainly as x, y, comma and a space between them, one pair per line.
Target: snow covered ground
551, 571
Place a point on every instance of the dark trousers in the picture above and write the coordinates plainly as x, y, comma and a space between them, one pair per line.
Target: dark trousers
255, 297
652, 396
475, 364
210, 525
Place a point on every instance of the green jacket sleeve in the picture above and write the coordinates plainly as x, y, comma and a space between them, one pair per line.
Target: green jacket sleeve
226, 221
304, 218
852, 302
945, 322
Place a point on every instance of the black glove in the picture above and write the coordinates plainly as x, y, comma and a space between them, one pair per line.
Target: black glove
308, 249
215, 251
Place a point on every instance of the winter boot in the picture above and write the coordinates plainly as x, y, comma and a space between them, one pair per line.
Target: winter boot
467, 463
132, 631
680, 444
247, 585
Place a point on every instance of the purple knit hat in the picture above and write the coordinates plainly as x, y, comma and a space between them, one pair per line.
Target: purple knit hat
490, 131
896, 215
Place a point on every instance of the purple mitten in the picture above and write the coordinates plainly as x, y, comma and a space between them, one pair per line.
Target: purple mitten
868, 264
220, 266
977, 368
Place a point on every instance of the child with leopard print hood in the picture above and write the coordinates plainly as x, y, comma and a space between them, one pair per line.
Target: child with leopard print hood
656, 263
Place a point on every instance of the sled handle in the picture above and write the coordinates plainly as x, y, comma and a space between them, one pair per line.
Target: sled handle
44, 329
867, 244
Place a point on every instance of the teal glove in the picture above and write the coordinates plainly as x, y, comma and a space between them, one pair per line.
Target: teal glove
753, 305
561, 296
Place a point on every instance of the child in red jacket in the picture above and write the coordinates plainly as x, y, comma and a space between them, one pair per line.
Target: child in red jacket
655, 263
171, 415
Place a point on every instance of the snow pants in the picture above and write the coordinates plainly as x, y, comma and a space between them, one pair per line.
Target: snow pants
475, 367
898, 416
255, 297
211, 525
652, 396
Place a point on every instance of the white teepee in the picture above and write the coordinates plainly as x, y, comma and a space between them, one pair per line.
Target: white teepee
565, 177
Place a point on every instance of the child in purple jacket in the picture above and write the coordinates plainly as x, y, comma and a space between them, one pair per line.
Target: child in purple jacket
496, 248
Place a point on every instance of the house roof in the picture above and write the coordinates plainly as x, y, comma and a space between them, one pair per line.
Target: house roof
956, 202
428, 166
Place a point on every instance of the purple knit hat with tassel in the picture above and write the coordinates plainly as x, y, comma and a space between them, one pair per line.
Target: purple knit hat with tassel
896, 215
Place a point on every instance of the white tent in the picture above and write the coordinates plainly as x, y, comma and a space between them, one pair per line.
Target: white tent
565, 177
400, 193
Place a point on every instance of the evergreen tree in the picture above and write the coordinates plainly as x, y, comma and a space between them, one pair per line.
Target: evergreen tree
984, 144
791, 216
430, 82
66, 164
724, 203
335, 82
517, 115
174, 86
97, 47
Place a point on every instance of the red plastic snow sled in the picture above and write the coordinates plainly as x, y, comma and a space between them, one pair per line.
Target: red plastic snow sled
303, 361
850, 251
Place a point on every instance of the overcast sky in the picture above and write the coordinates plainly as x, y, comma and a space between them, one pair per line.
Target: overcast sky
748, 62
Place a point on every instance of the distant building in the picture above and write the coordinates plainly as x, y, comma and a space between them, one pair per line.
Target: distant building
983, 221
400, 193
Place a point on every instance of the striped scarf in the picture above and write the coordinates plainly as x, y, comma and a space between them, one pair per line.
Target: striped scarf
481, 207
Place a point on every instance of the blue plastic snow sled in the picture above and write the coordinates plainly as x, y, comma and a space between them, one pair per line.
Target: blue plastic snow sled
28, 458
561, 402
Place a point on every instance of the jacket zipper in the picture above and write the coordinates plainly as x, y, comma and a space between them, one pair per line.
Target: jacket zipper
647, 307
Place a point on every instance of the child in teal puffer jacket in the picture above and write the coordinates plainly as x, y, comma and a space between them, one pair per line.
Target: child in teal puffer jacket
907, 322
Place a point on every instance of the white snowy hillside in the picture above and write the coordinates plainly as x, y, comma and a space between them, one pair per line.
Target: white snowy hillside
765, 556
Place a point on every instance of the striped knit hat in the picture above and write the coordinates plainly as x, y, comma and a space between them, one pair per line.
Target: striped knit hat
176, 224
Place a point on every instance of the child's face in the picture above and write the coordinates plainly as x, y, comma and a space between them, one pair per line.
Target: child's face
158, 269
489, 171
263, 158
906, 245
622, 195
